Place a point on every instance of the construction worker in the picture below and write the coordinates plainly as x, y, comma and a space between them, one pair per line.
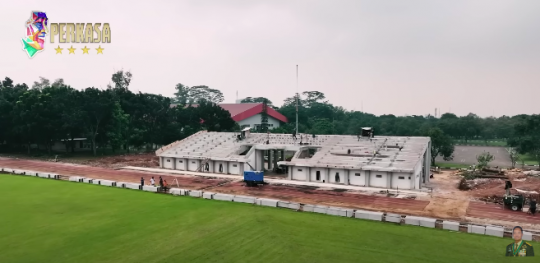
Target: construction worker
532, 207
519, 248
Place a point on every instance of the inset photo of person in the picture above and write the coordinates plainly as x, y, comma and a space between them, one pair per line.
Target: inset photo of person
519, 248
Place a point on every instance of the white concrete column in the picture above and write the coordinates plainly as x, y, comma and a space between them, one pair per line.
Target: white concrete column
389, 180
160, 162
226, 168
270, 160
241, 169
427, 163
185, 161
174, 160
290, 168
368, 175
327, 175
347, 173
308, 177
211, 168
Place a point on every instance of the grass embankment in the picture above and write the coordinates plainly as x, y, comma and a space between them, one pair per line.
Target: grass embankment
45, 220
481, 143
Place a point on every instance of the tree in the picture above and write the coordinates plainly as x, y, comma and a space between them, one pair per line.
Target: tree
527, 136
313, 97
96, 107
256, 100
116, 132
514, 156
42, 83
188, 95
121, 80
484, 159
214, 118
441, 144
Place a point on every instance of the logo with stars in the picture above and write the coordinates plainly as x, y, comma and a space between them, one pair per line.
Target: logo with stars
81, 37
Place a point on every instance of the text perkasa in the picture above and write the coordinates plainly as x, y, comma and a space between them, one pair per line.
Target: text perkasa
80, 32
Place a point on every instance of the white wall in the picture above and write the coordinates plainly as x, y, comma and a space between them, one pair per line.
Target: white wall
417, 175
313, 174
168, 162
256, 119
404, 183
332, 176
216, 167
180, 162
357, 180
193, 164
299, 173
234, 168
377, 182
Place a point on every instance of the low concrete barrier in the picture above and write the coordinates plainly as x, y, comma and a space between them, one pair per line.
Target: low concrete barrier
42, 175
294, 206
87, 180
308, 208
174, 191
394, 218
121, 184
149, 188
476, 229
132, 186
17, 171
223, 197
283, 204
427, 222
195, 193
494, 231
108, 183
244, 199
76, 179
527, 236
96, 181
335, 211
450, 225
320, 209
412, 220
208, 195
267, 202
361, 214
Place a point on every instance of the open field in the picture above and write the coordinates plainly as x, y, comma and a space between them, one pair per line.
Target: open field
466, 155
498, 143
58, 221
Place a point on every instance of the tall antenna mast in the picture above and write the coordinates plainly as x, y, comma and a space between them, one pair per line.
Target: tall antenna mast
296, 99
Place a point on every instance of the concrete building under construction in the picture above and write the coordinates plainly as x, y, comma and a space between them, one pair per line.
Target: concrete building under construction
385, 162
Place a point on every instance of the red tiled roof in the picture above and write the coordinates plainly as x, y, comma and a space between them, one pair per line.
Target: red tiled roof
242, 111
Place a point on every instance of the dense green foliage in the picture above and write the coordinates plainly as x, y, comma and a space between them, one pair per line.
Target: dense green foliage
57, 221
114, 117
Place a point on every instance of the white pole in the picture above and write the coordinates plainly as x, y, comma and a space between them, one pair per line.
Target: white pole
297, 95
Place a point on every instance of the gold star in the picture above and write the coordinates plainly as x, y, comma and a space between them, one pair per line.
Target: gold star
71, 50
85, 50
58, 50
100, 50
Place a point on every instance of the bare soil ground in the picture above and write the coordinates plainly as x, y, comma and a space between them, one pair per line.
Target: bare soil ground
115, 162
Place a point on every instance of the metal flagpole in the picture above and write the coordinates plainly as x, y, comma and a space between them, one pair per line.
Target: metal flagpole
296, 99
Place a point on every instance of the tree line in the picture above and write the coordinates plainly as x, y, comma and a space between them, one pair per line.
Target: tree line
113, 118
117, 118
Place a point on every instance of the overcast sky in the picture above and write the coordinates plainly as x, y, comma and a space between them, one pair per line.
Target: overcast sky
393, 57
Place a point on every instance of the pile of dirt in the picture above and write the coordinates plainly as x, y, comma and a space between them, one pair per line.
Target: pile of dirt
140, 160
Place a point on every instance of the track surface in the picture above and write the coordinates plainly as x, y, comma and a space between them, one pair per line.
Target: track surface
494, 211
283, 192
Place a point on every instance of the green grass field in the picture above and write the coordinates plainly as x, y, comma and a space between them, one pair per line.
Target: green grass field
44, 220
500, 143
